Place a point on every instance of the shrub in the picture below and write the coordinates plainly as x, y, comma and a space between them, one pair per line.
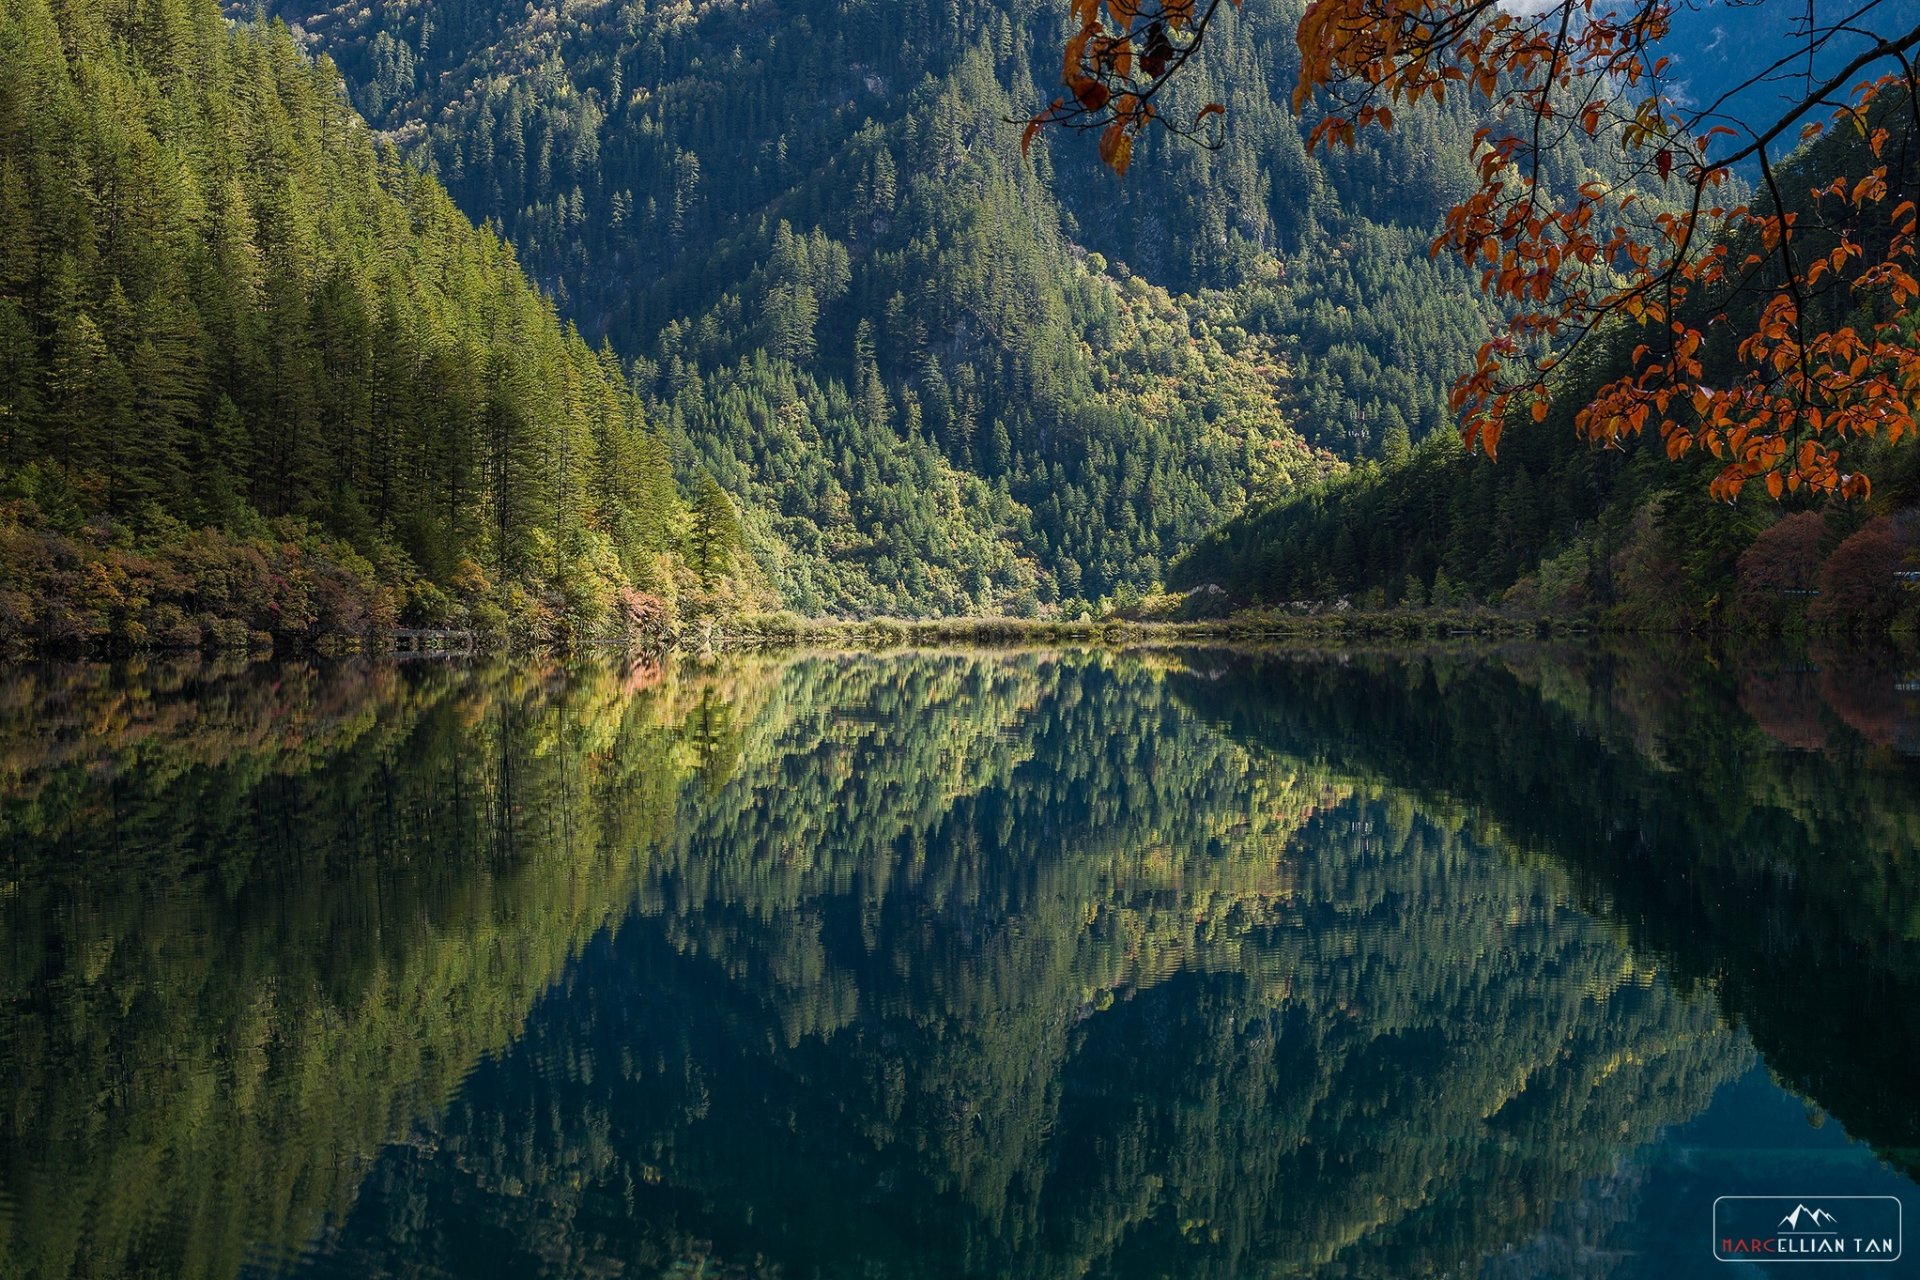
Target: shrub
228, 634
644, 620
1783, 560
1565, 583
1859, 591
427, 605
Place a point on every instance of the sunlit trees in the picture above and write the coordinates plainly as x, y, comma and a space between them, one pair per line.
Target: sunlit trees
225, 305
714, 531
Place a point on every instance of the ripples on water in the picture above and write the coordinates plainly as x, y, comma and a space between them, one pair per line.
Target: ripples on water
948, 965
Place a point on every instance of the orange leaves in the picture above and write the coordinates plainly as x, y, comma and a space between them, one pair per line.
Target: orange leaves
1482, 431
1566, 260
1871, 188
1114, 63
1799, 394
1092, 94
1028, 134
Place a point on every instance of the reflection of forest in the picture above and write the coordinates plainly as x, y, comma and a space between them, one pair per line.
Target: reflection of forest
256, 924
940, 964
1756, 829
1014, 966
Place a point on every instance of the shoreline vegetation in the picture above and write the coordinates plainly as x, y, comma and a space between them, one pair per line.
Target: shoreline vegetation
332, 622
292, 589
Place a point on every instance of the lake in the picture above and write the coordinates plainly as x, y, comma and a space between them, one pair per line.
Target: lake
953, 964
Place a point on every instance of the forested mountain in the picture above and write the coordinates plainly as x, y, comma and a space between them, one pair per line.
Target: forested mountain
1627, 535
793, 253
226, 305
953, 378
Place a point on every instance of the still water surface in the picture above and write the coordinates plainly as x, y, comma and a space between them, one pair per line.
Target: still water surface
1163, 964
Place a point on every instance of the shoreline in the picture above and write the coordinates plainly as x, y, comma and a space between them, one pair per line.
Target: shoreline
1272, 627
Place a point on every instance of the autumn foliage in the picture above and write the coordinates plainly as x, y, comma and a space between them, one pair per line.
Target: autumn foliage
1123, 53
81, 591
1857, 581
1768, 332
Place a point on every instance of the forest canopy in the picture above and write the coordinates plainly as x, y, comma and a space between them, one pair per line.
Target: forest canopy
260, 377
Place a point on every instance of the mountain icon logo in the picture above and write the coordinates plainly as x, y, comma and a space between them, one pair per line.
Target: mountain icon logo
1813, 1217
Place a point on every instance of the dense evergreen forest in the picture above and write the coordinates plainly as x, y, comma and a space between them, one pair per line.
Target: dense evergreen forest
258, 375
949, 379
955, 381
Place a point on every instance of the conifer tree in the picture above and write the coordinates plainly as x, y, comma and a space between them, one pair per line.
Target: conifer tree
714, 530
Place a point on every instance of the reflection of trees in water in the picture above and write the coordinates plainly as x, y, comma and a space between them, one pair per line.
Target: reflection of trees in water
1014, 966
256, 924
1836, 700
1785, 880
941, 963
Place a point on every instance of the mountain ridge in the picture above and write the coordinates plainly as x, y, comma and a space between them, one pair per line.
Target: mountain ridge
644, 158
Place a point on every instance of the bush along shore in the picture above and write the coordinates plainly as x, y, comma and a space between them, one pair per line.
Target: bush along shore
1174, 620
288, 588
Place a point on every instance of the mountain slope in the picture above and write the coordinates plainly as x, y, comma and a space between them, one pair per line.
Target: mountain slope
1574, 528
920, 352
644, 160
224, 304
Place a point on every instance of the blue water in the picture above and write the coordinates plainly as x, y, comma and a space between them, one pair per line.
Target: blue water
952, 964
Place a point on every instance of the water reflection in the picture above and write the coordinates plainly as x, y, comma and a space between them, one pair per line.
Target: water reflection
1784, 880
941, 964
256, 924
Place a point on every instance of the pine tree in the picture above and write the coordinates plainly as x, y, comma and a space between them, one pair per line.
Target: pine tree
714, 532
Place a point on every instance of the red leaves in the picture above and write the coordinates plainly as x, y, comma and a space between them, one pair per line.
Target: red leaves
1158, 52
1565, 262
